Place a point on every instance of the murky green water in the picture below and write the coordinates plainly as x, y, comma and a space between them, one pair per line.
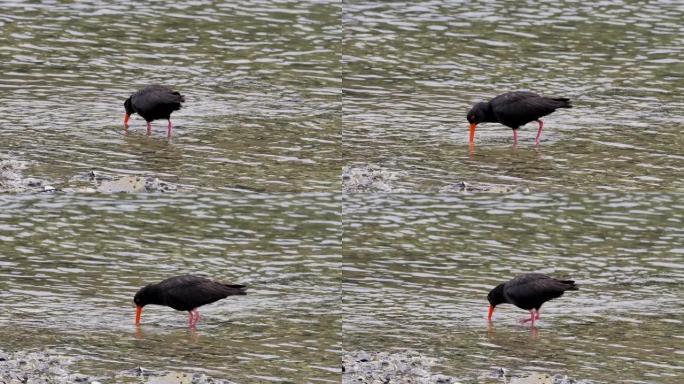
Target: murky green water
413, 70
417, 270
71, 265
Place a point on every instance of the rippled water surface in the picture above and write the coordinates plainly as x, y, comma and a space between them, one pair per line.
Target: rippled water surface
71, 265
261, 81
413, 69
417, 270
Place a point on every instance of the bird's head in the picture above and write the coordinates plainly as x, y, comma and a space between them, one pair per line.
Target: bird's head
146, 295
128, 105
495, 297
476, 115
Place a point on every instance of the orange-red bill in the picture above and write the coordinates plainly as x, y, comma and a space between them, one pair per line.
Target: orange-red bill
126, 117
138, 313
472, 132
491, 312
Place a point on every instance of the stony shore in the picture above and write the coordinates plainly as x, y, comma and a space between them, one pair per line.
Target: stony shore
412, 367
49, 367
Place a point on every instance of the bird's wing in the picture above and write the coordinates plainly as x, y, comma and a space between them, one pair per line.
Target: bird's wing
196, 291
522, 107
535, 287
152, 97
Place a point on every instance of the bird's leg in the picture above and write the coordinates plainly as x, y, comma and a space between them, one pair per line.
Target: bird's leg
191, 323
523, 321
541, 125
537, 312
515, 137
149, 128
169, 129
197, 317
532, 314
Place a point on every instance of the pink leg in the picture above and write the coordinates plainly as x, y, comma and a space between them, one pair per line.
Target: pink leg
194, 318
523, 321
541, 125
149, 128
538, 314
169, 128
532, 317
515, 137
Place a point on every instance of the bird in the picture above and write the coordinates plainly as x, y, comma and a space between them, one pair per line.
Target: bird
184, 293
514, 109
153, 102
529, 292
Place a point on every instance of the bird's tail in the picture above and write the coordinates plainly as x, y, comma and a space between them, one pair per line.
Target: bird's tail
563, 102
235, 289
181, 98
571, 284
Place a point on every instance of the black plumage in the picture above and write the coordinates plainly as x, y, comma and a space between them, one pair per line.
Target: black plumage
529, 292
185, 293
514, 109
153, 102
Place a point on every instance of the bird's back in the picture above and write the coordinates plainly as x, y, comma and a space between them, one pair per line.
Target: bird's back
534, 289
188, 292
518, 108
156, 102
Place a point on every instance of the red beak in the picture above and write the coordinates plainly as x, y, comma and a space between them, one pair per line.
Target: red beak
138, 312
472, 132
491, 312
126, 117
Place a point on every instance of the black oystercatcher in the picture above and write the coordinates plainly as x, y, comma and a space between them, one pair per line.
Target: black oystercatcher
184, 293
153, 102
528, 291
514, 109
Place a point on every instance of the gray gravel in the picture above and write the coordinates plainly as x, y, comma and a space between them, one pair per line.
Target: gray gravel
49, 367
403, 367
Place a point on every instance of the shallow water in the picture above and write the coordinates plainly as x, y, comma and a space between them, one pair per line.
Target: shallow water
261, 81
417, 270
71, 265
412, 71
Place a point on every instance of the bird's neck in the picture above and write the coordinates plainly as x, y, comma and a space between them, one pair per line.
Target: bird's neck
489, 116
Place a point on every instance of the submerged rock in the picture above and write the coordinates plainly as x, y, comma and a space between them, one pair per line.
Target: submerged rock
12, 180
403, 367
374, 178
370, 178
100, 182
464, 187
